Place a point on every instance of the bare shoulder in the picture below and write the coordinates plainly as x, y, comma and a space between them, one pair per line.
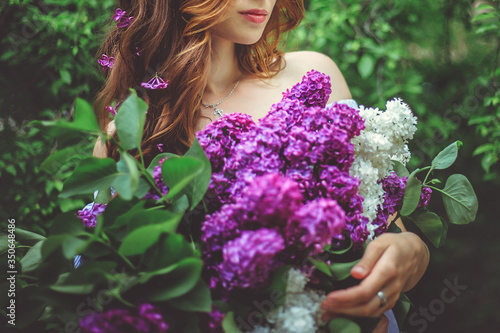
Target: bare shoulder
300, 62
100, 145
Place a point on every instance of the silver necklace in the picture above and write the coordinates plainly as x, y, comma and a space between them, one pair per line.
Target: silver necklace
215, 106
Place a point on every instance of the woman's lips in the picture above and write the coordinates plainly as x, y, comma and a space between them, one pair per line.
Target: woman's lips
255, 15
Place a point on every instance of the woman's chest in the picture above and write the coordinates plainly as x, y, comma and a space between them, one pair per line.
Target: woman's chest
253, 97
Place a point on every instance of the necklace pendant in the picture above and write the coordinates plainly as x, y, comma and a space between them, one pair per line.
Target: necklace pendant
218, 111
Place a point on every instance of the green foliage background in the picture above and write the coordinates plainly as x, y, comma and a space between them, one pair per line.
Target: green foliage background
440, 56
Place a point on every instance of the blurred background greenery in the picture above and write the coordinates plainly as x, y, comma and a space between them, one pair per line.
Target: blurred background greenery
440, 56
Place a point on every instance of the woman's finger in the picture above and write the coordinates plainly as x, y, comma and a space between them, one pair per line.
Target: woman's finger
373, 252
383, 276
375, 307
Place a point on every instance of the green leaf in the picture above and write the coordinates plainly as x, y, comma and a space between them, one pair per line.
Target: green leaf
366, 66
342, 270
197, 299
178, 172
25, 235
401, 309
32, 258
156, 161
446, 157
342, 251
179, 281
54, 162
130, 120
73, 246
91, 174
127, 180
431, 226
173, 244
4, 242
411, 195
343, 325
66, 223
229, 325
65, 76
483, 149
139, 240
393, 227
85, 118
197, 188
75, 289
321, 266
459, 199
400, 169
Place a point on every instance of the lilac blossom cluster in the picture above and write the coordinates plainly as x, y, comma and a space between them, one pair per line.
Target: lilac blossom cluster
268, 227
394, 187
282, 187
121, 20
145, 319
89, 214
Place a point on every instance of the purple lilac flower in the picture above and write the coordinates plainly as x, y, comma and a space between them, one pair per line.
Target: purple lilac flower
89, 214
315, 224
220, 137
394, 187
155, 82
122, 21
425, 197
314, 90
159, 183
249, 259
106, 62
160, 147
215, 320
138, 53
145, 319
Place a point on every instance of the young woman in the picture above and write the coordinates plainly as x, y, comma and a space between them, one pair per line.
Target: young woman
223, 57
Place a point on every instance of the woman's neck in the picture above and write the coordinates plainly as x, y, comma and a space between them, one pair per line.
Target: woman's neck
224, 71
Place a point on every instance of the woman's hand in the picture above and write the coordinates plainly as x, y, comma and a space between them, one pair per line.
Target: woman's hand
392, 263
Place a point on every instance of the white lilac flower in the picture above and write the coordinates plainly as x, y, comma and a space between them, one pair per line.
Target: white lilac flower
383, 139
297, 320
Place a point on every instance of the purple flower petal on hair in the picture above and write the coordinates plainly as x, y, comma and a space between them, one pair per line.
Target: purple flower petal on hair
111, 110
160, 147
125, 22
138, 52
122, 21
106, 62
155, 83
119, 14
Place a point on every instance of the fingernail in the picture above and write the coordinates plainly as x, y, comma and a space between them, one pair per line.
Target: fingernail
359, 269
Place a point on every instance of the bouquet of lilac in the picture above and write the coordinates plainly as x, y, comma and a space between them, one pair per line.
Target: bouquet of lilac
304, 179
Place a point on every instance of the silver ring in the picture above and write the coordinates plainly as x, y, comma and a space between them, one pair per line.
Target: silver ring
383, 299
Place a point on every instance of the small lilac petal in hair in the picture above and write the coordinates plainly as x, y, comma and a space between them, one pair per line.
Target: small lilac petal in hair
106, 62
138, 52
111, 110
119, 14
125, 22
160, 147
155, 83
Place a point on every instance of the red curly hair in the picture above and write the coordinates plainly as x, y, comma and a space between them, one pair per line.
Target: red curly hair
174, 39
